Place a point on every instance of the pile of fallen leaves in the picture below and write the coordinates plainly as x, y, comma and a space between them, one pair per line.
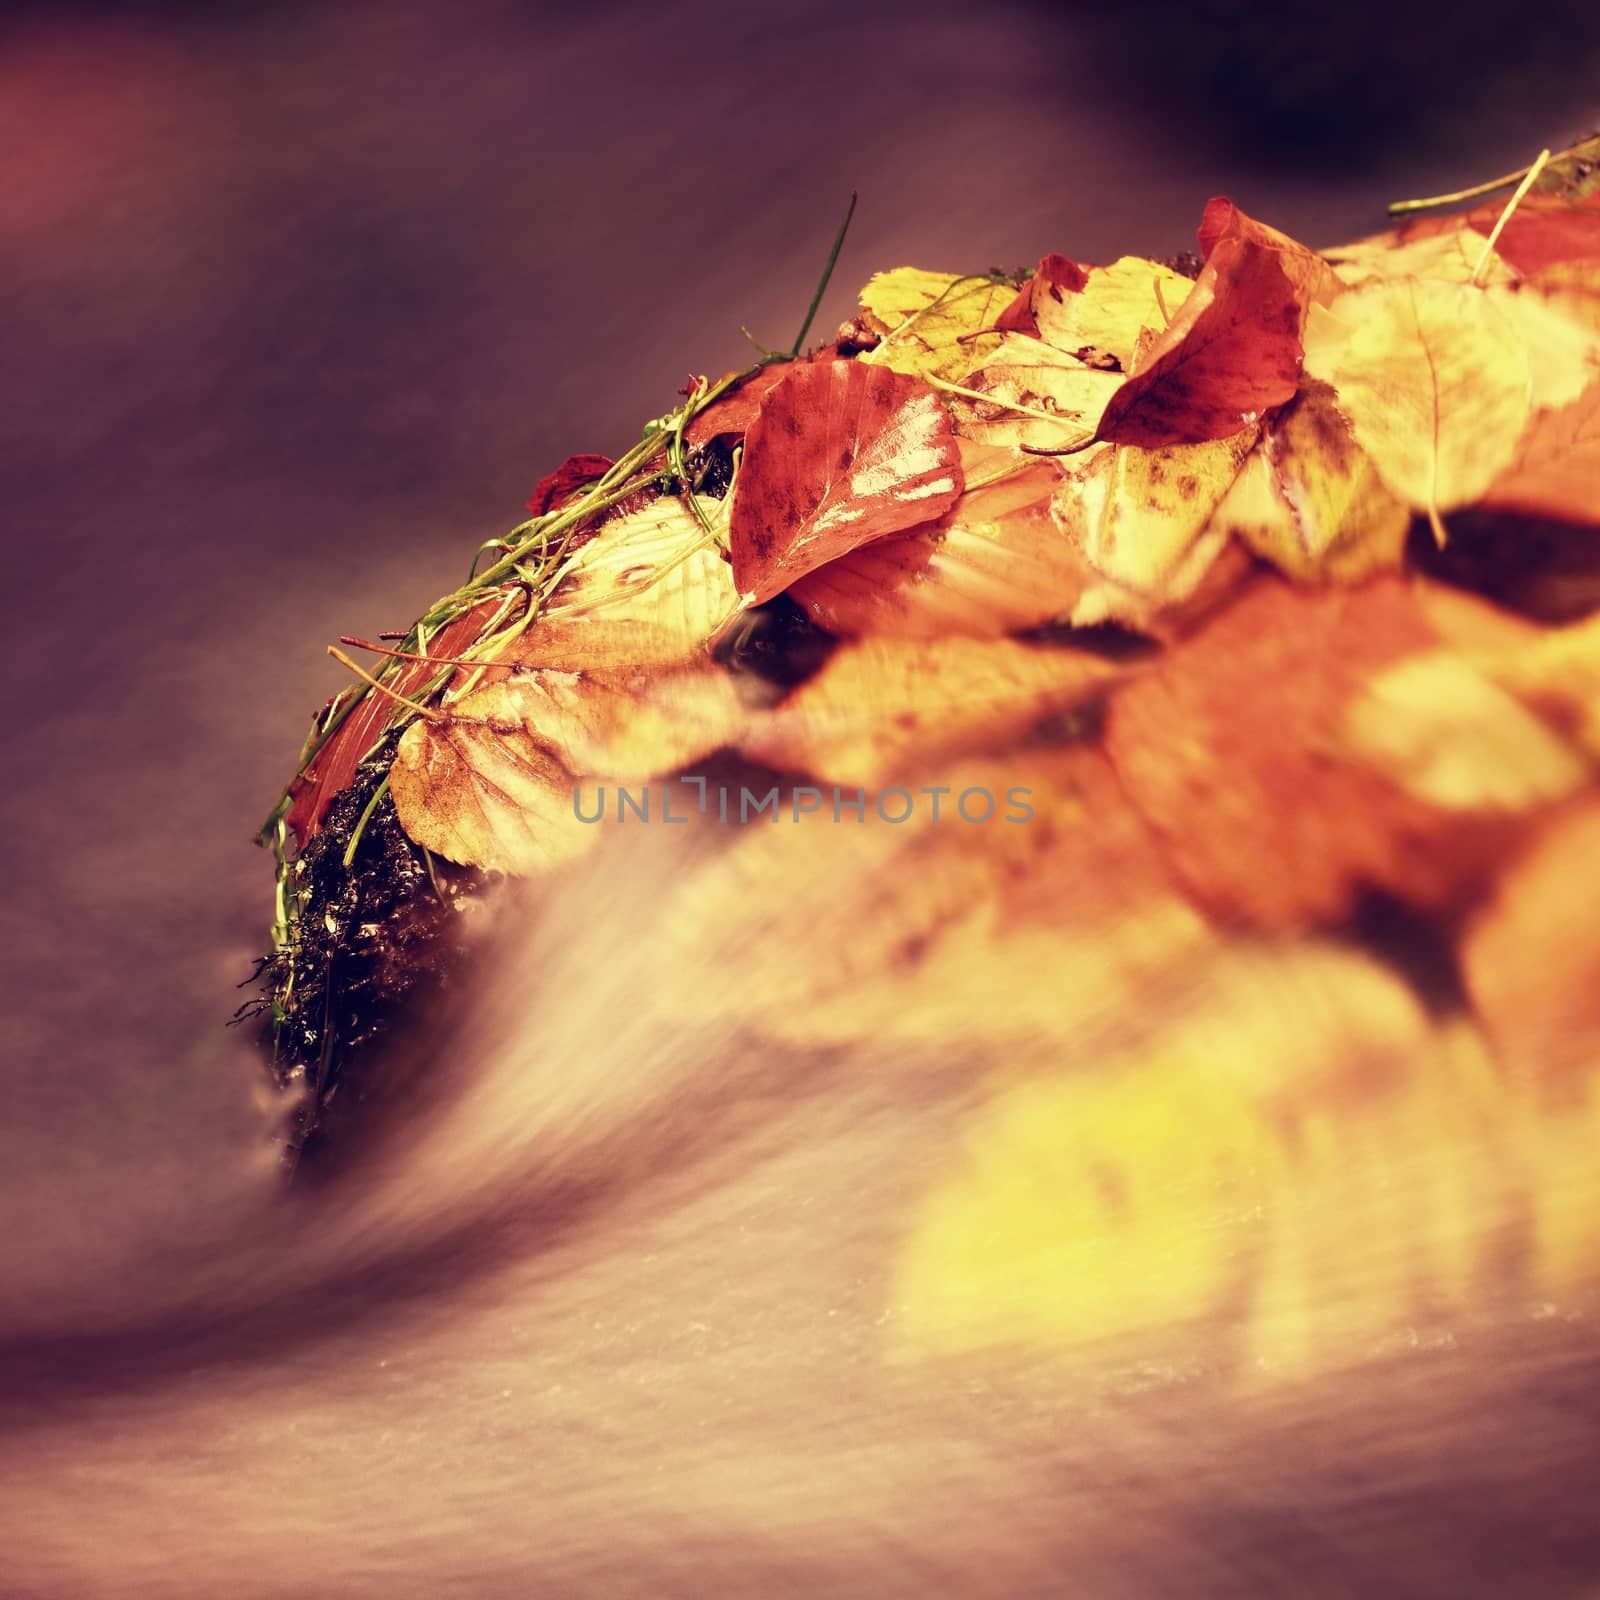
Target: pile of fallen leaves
1275, 584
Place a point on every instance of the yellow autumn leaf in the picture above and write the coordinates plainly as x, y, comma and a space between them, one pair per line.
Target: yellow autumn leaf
883, 709
1435, 380
1029, 393
490, 781
921, 319
1441, 729
1309, 500
1292, 1145
1559, 677
1101, 323
1453, 254
1144, 522
651, 587
1495, 729
1559, 328
1109, 1198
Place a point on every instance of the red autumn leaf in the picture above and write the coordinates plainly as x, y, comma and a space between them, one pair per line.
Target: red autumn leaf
1542, 233
1057, 275
737, 409
573, 473
1233, 350
841, 453
331, 769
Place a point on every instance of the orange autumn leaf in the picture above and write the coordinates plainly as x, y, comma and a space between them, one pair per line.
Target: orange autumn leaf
1529, 958
910, 921
1232, 351
1228, 750
1542, 232
839, 454
334, 764
1556, 466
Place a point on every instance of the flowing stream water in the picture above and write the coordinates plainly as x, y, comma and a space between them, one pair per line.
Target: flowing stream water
299, 301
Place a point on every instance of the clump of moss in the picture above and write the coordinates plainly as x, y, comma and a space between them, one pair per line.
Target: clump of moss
362, 940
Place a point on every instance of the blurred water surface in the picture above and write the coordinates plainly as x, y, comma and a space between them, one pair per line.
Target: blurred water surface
299, 301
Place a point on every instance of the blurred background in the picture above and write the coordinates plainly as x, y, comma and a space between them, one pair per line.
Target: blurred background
300, 300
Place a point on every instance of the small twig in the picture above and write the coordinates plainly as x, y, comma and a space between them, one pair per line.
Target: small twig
1065, 418
908, 323
383, 688
1505, 216
1400, 207
412, 655
1064, 450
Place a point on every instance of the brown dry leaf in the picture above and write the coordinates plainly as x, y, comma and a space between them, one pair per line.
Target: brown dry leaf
1143, 520
993, 565
1228, 749
922, 319
885, 709
333, 767
575, 473
1435, 380
1309, 500
490, 782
